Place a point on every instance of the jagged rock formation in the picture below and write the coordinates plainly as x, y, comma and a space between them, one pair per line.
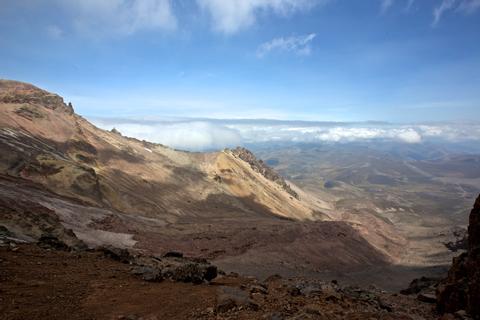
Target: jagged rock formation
30, 97
262, 168
461, 289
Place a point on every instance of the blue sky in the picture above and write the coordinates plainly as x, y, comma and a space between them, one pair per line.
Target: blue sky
326, 60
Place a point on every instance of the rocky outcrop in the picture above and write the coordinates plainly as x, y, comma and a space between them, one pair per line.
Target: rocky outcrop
260, 167
461, 289
173, 266
458, 240
421, 285
176, 268
30, 96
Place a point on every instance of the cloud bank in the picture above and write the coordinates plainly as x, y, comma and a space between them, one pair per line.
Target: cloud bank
209, 134
192, 136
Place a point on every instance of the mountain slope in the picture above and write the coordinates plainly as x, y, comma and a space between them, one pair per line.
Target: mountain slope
227, 206
43, 140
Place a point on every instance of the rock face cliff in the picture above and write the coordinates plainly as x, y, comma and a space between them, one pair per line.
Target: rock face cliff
461, 289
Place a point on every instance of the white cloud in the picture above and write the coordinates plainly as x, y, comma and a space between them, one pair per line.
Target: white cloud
120, 17
440, 10
328, 133
300, 45
193, 136
231, 16
408, 136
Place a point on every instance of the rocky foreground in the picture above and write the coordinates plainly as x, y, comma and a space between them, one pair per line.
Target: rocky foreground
47, 280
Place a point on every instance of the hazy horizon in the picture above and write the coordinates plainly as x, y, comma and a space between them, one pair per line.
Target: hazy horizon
213, 134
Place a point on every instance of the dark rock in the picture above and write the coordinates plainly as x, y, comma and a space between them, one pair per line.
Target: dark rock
148, 273
295, 291
210, 273
130, 317
427, 297
4, 232
192, 272
48, 241
329, 184
420, 284
115, 131
118, 254
459, 240
173, 254
70, 108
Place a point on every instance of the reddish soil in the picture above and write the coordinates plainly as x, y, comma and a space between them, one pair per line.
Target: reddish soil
46, 284
41, 284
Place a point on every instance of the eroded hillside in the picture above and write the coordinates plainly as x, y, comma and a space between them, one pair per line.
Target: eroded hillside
226, 206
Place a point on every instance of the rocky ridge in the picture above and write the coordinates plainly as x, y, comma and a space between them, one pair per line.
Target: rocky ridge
262, 168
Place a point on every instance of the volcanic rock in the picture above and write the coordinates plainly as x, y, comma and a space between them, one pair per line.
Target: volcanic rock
420, 284
148, 273
48, 241
461, 289
118, 254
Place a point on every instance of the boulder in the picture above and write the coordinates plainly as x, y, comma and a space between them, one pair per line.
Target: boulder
192, 272
118, 254
173, 267
148, 273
